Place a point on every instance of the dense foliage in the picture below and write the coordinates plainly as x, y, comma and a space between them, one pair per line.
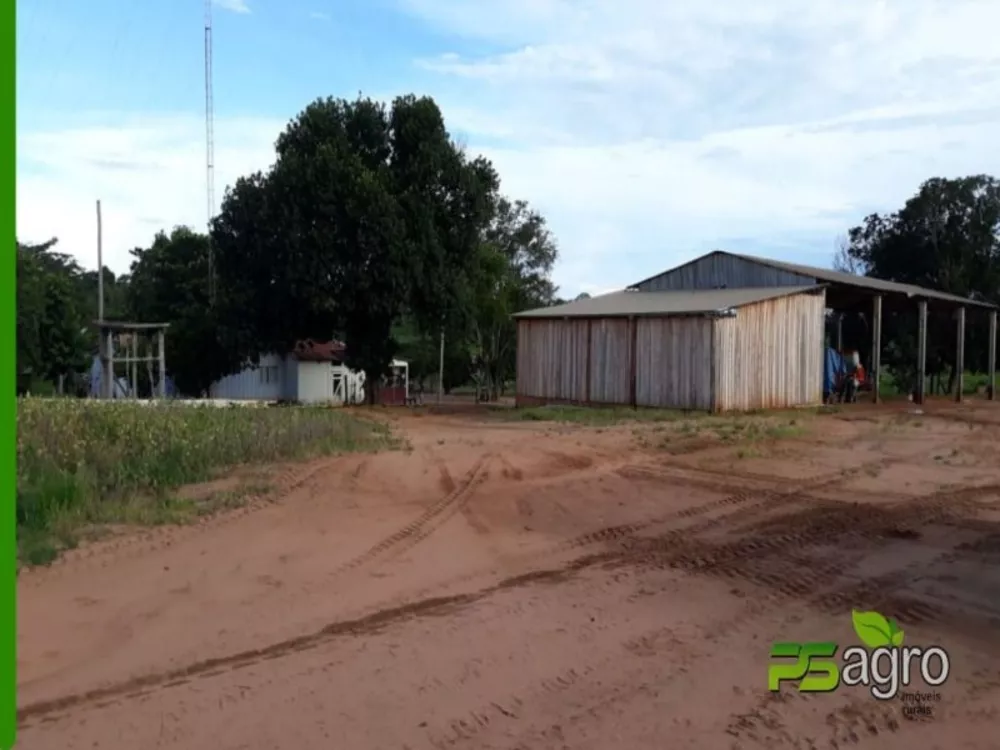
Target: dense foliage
945, 237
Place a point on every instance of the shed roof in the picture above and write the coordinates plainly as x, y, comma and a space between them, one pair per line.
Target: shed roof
688, 302
868, 283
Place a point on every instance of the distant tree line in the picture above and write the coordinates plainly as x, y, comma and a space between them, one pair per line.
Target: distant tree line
375, 227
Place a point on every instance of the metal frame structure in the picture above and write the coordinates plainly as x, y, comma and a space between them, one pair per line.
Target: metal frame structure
112, 332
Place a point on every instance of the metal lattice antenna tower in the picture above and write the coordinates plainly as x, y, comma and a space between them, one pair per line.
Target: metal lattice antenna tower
209, 146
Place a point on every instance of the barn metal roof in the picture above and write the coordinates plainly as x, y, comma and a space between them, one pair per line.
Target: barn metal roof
693, 302
830, 276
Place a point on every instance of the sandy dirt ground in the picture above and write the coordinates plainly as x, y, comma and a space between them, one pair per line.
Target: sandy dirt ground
531, 585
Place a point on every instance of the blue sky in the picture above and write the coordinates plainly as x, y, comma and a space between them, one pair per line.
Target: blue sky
646, 132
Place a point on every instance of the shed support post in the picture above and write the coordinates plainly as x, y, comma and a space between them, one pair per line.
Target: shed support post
921, 351
160, 340
992, 364
590, 338
876, 363
633, 336
960, 355
840, 333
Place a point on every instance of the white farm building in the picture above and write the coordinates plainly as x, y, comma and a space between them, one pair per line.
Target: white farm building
312, 373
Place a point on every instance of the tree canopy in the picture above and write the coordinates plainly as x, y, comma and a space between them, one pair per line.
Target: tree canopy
946, 237
56, 303
369, 212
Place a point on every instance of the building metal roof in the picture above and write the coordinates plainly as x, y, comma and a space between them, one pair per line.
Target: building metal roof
319, 351
693, 302
830, 276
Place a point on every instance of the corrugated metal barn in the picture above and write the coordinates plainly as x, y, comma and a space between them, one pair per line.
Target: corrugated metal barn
722, 332
719, 350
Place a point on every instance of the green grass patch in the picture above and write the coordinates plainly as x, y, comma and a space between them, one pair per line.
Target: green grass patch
83, 464
591, 415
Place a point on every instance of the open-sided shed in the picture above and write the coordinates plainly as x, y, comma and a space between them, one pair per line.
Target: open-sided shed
845, 292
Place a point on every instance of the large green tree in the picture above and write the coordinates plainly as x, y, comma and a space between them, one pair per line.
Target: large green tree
169, 284
513, 274
367, 213
53, 334
946, 237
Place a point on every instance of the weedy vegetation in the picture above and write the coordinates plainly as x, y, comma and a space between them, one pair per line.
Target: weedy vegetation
83, 465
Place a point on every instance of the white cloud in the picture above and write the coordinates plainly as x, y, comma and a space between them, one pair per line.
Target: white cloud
148, 173
648, 131
236, 6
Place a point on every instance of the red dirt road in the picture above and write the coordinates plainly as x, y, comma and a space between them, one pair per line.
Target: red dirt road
535, 586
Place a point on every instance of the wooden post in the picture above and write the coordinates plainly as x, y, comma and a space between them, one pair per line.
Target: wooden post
632, 361
107, 363
135, 366
876, 363
440, 393
100, 266
960, 355
840, 333
590, 339
992, 364
160, 340
921, 351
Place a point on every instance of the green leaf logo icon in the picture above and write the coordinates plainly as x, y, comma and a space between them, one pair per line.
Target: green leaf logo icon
875, 631
897, 633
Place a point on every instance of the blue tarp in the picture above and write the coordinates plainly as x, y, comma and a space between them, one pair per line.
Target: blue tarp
833, 366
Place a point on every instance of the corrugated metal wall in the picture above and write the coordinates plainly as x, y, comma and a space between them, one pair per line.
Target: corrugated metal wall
674, 363
771, 354
552, 359
610, 361
266, 382
672, 367
720, 270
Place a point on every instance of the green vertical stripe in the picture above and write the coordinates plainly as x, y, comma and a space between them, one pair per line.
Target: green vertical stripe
8, 389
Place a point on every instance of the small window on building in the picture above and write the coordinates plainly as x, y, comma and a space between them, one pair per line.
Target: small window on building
268, 374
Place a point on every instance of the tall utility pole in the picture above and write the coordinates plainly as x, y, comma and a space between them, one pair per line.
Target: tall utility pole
441, 368
100, 267
209, 147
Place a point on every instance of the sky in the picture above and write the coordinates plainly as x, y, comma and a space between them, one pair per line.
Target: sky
646, 132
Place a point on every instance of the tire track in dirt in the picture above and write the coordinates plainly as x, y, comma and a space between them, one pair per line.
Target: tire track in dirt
129, 546
366, 625
425, 524
413, 533
680, 549
867, 590
748, 503
837, 596
795, 580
